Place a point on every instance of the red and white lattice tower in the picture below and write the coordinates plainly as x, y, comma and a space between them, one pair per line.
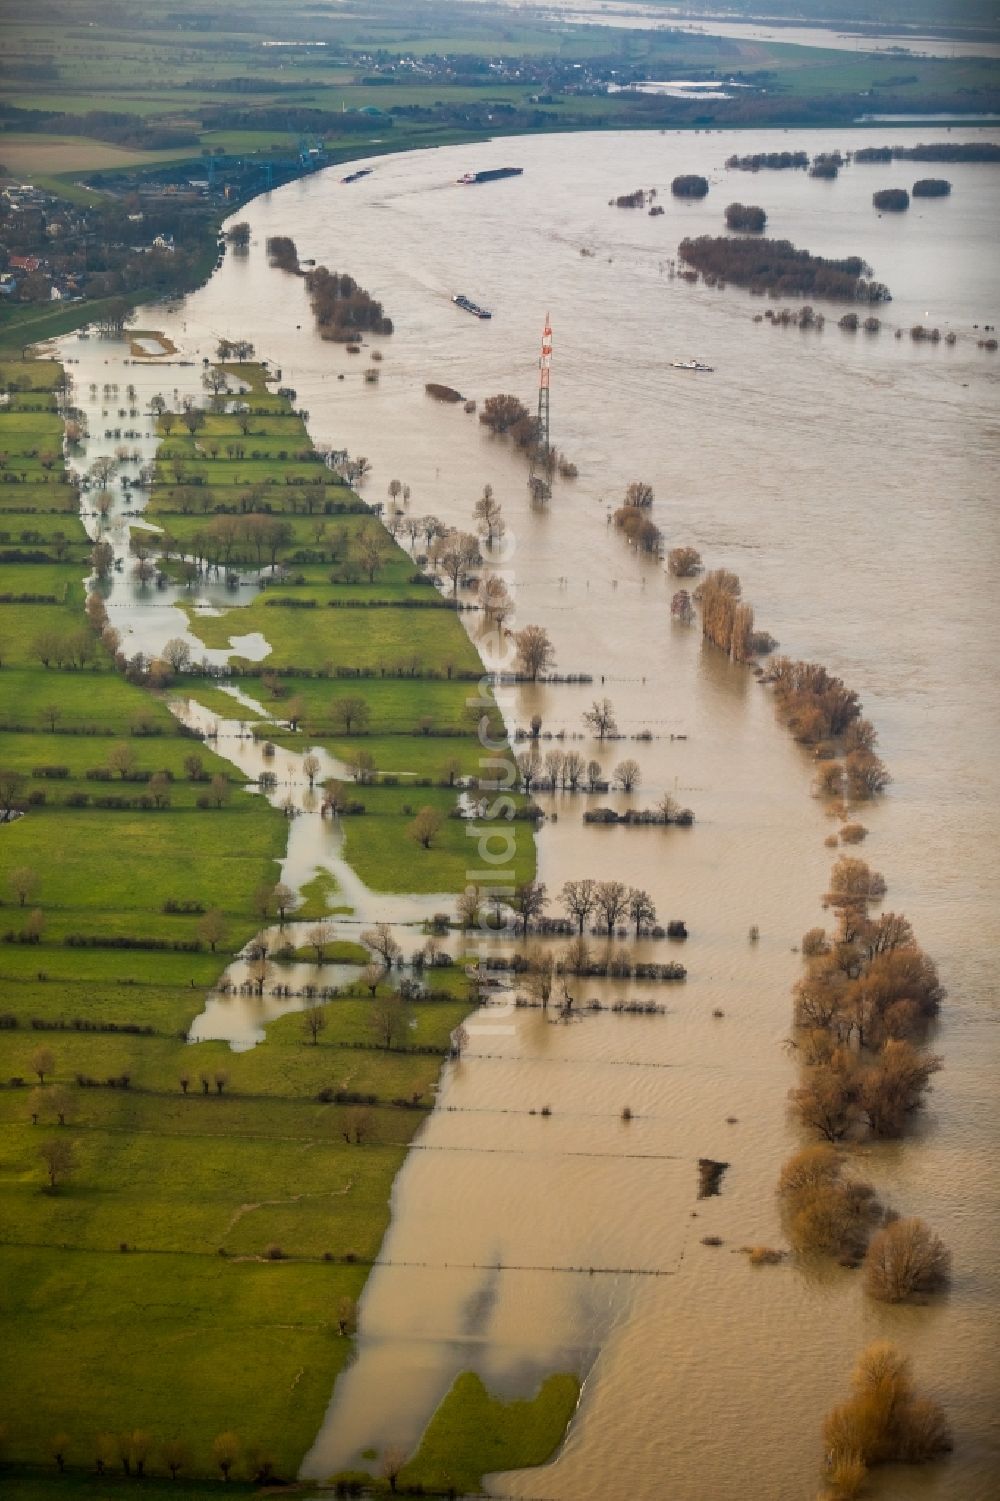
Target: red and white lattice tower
544, 375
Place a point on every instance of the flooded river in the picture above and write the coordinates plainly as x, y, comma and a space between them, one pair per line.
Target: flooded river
851, 482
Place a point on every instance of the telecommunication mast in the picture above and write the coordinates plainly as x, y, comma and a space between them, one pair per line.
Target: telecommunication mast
538, 477
544, 374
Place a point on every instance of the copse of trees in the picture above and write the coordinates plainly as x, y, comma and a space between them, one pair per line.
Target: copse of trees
935, 151
826, 165
343, 310
815, 705
727, 620
766, 265
638, 529
282, 254
862, 1011
745, 217
931, 187
689, 185
774, 160
891, 200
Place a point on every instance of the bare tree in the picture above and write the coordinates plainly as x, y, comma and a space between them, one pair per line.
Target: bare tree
641, 908
371, 977
219, 790
611, 902
23, 882
393, 1460
226, 1451
43, 1061
347, 1316
528, 765
535, 652
538, 979
467, 906
176, 1456
454, 554
628, 774
426, 826
122, 758
61, 1103
529, 901
371, 552
176, 653
258, 973
494, 597
311, 767
284, 898
59, 1158
380, 940
489, 516
313, 1023
573, 769
578, 897
389, 1020
350, 714
320, 936
600, 719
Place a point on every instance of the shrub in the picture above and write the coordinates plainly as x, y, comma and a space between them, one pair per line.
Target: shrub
825, 1212
905, 1259
882, 1422
684, 562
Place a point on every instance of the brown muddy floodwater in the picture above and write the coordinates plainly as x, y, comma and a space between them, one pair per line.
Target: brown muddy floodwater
851, 482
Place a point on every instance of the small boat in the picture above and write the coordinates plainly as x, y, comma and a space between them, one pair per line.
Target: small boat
356, 176
466, 303
692, 365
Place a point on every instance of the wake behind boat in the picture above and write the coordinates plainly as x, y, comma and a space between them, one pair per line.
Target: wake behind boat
460, 300
692, 365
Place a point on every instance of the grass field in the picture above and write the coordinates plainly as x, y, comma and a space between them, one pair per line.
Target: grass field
26, 155
474, 1434
214, 1205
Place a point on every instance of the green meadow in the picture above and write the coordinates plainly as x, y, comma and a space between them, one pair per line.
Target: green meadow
194, 1267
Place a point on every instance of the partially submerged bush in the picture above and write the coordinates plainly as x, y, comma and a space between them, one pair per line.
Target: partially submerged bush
684, 562
882, 1422
824, 1211
906, 1259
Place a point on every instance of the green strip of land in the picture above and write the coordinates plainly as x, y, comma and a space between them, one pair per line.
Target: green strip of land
193, 1271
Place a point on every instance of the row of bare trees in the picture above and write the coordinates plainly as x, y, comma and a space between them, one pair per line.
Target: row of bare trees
605, 904
137, 1453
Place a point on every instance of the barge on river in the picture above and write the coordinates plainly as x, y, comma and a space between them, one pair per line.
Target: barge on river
490, 174
466, 303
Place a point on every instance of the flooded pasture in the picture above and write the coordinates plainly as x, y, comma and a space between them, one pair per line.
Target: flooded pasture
850, 481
